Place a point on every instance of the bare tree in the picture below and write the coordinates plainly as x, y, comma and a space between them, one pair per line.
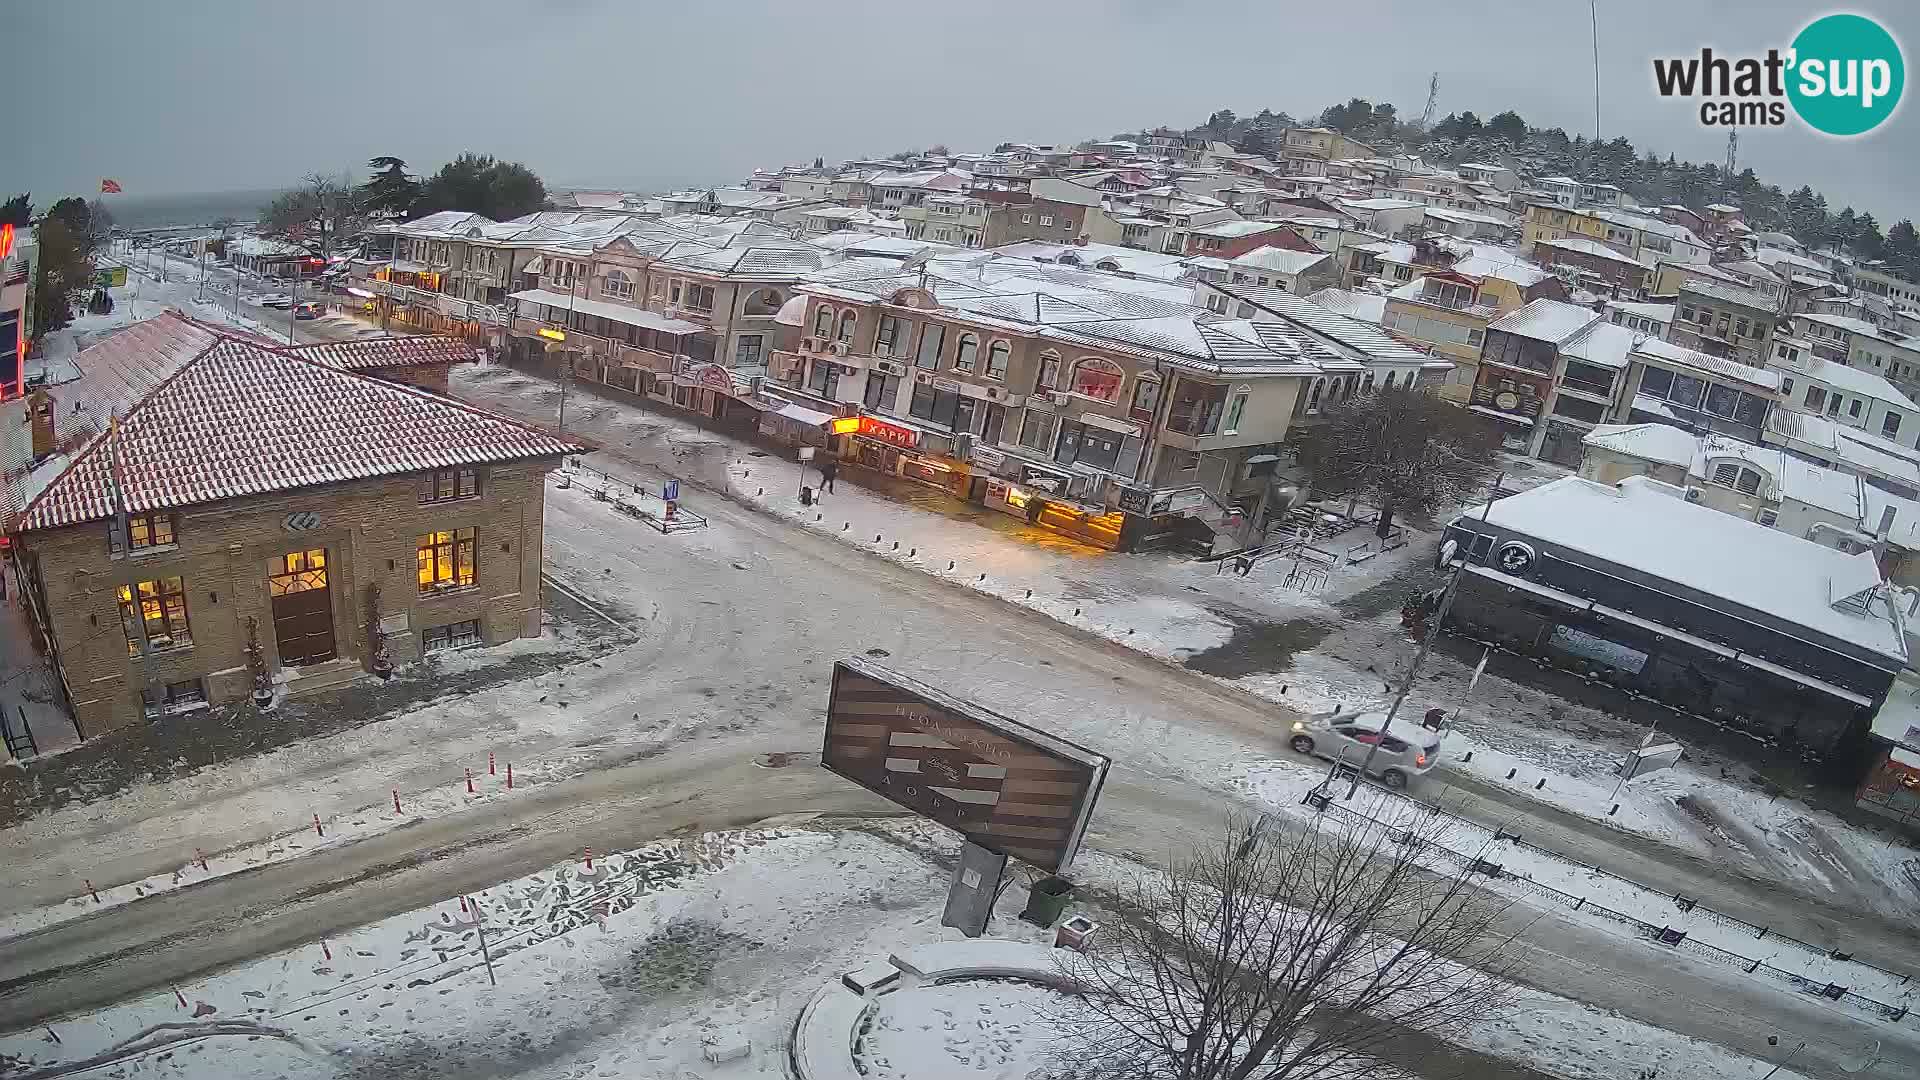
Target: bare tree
1406, 449
316, 214
1276, 955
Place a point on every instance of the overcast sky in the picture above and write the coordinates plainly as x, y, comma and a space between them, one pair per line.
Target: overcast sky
214, 95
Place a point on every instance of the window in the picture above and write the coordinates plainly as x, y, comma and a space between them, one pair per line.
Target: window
825, 380
1146, 396
1890, 424
1036, 431
1088, 445
1731, 474
935, 406
148, 531
1046, 219
886, 339
616, 284
1786, 387
157, 617
1740, 327
698, 297
964, 352
446, 560
1236, 407
1816, 398
823, 321
1026, 219
174, 697
1048, 376
748, 350
1244, 311
1097, 379
442, 485
1217, 304
848, 321
1768, 518
883, 391
451, 636
933, 338
997, 360
1853, 409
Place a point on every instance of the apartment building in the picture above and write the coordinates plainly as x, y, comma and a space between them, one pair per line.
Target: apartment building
1449, 310
231, 517
1887, 285
1855, 397
1724, 321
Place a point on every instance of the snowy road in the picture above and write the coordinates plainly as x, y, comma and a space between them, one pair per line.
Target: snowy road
739, 625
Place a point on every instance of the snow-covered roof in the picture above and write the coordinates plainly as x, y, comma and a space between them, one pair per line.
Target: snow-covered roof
1502, 265
1858, 381
1738, 562
1280, 260
1447, 213
1728, 370
383, 353
1380, 204
1165, 266
1362, 339
1235, 228
1723, 208
223, 416
1660, 313
1546, 320
1603, 343
262, 247
1367, 307
1840, 322
1592, 248
1661, 443
1728, 294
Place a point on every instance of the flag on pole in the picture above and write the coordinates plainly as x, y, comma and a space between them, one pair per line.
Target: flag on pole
109, 187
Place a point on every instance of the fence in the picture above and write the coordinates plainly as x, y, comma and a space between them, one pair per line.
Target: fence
658, 511
1474, 848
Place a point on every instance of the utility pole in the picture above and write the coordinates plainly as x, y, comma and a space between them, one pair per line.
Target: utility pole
293, 298
1426, 644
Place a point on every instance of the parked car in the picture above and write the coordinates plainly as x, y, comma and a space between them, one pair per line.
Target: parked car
1406, 750
308, 310
277, 300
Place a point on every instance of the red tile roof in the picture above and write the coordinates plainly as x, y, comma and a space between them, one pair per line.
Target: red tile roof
370, 354
238, 418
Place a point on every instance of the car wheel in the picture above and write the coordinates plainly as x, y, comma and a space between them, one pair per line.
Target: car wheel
1301, 744
1394, 779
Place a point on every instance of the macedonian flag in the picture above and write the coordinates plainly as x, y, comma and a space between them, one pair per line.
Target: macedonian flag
109, 187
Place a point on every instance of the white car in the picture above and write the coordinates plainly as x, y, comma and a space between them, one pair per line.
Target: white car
1406, 750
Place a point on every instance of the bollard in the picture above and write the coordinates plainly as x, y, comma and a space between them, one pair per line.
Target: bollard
1467, 758
911, 552
55, 1038
876, 539
490, 771
1283, 689
949, 564
469, 773
1510, 773
325, 951
200, 858
509, 776
1541, 784
182, 998
589, 858
1615, 810
316, 828
91, 891
1029, 594
896, 545
396, 800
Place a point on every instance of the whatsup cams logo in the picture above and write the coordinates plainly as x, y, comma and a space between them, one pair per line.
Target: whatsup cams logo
1843, 75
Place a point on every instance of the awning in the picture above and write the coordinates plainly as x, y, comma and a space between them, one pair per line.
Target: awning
803, 415
362, 293
1120, 427
1523, 421
536, 266
793, 312
620, 313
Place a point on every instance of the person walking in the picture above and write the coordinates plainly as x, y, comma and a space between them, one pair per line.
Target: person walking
829, 468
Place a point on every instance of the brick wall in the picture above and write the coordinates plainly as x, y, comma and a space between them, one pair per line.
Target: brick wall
369, 530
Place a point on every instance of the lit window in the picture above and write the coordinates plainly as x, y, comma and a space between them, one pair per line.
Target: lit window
446, 560
1097, 379
444, 484
146, 532
158, 616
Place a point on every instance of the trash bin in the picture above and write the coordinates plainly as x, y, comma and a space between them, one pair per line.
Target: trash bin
1046, 900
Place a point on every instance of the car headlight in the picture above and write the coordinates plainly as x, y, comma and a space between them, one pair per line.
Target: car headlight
1299, 725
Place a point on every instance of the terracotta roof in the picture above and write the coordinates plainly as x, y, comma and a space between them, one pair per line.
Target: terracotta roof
237, 418
372, 354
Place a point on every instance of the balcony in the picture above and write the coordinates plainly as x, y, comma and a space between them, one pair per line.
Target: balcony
1521, 402
1601, 390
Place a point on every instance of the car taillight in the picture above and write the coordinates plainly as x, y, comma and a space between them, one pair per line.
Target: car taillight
1420, 759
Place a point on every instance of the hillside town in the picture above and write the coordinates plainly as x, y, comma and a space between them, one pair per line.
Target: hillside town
657, 453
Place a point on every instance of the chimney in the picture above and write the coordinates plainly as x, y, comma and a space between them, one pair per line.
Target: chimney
40, 414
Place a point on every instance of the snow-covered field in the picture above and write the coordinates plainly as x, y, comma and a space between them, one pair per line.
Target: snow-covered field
621, 971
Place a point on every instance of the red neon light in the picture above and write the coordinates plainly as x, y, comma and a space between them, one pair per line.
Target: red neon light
884, 432
6, 240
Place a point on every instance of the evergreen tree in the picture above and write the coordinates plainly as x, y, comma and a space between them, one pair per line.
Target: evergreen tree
1509, 126
389, 192
17, 211
479, 184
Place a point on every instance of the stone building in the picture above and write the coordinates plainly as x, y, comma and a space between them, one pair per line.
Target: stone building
205, 508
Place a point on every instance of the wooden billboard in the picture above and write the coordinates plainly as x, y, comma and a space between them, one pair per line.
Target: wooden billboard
1005, 786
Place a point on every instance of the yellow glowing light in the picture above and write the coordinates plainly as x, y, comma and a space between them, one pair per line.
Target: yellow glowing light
844, 425
1017, 498
551, 334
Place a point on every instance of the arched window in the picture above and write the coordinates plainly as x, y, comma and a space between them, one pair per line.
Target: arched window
616, 284
763, 302
847, 322
997, 360
1048, 375
823, 321
1733, 474
1390, 380
1097, 379
965, 351
1146, 397
1313, 400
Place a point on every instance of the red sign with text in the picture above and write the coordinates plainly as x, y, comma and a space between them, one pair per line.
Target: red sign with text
881, 431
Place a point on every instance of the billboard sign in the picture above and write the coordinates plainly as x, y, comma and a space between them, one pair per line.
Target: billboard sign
1005, 786
1650, 758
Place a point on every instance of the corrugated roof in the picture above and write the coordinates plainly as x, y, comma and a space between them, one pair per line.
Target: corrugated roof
1546, 320
1728, 294
1731, 370
238, 418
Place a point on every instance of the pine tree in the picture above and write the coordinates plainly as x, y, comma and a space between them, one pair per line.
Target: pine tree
389, 192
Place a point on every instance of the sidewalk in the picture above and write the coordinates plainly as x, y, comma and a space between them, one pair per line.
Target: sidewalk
1309, 652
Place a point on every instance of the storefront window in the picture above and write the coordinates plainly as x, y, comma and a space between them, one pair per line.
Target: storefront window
934, 406
1097, 379
1088, 445
1036, 431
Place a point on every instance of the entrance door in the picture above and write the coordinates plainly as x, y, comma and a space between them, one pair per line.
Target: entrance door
302, 607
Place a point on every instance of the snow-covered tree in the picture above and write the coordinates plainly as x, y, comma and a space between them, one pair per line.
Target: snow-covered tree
1406, 451
1283, 954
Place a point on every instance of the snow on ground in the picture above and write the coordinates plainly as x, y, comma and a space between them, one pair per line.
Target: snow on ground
620, 971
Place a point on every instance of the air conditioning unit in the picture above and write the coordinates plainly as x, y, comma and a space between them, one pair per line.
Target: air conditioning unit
839, 348
1693, 494
806, 345
994, 393
1058, 397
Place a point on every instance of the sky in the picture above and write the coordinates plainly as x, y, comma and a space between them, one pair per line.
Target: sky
221, 95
